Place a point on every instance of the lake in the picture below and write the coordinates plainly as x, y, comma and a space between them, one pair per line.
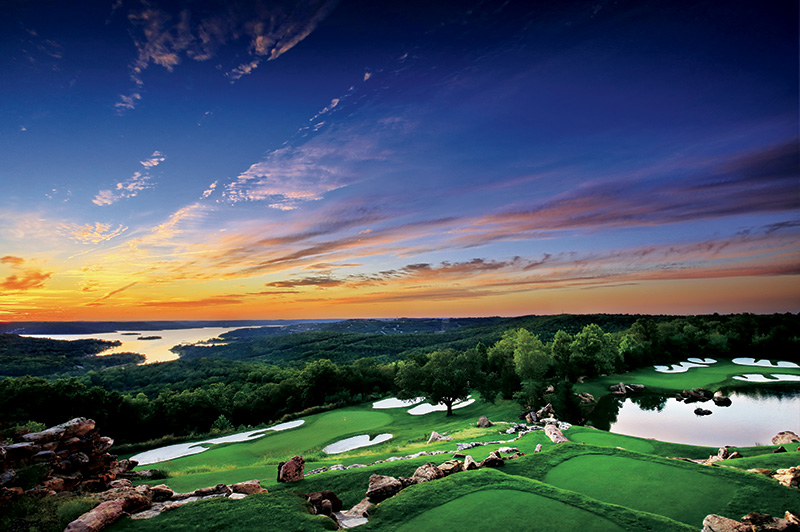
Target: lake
753, 418
154, 350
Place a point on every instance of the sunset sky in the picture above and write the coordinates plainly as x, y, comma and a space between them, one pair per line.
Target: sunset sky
362, 158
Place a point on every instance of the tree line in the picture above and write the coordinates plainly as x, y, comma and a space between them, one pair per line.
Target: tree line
184, 397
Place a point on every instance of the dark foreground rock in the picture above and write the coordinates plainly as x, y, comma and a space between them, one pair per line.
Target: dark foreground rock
291, 471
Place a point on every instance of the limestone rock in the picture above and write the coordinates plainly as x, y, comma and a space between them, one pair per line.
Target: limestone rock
219, 489
555, 435
721, 400
361, 509
450, 467
761, 471
435, 436
381, 487
101, 516
788, 477
779, 450
406, 481
470, 463
538, 448
427, 472
249, 487
162, 492
792, 517
121, 483
291, 471
586, 398
785, 437
484, 422
493, 460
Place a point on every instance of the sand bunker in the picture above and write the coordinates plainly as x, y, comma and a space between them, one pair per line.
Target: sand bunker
758, 377
764, 363
170, 452
702, 360
394, 402
680, 368
354, 443
427, 408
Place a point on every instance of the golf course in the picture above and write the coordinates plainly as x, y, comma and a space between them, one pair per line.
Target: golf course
597, 481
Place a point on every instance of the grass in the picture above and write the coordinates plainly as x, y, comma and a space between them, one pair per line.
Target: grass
598, 481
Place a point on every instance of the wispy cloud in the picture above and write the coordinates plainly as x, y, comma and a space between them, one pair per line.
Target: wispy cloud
131, 187
164, 37
26, 276
91, 233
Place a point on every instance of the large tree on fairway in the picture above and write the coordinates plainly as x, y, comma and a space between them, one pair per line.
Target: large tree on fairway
445, 378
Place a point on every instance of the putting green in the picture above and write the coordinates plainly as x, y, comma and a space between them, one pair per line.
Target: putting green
506, 509
609, 439
681, 494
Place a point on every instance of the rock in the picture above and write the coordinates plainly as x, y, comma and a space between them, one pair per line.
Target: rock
792, 517
427, 472
435, 436
318, 498
779, 450
250, 487
696, 395
361, 509
122, 483
721, 400
734, 454
162, 493
530, 418
53, 484
381, 487
44, 456
788, 477
785, 437
761, 471
450, 467
718, 523
100, 517
133, 499
470, 463
723, 452
702, 412
291, 471
219, 489
7, 477
484, 422
508, 450
586, 398
493, 460
555, 435
538, 448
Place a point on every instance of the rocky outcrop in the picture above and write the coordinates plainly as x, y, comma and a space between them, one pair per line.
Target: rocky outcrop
788, 477
785, 437
752, 522
98, 518
248, 487
450, 467
585, 398
291, 471
427, 472
721, 400
381, 487
625, 389
470, 463
75, 454
493, 460
694, 396
483, 422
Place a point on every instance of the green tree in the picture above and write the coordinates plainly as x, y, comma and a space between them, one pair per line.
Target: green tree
561, 352
445, 378
593, 351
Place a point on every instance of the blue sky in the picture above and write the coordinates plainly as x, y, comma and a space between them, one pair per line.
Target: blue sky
356, 159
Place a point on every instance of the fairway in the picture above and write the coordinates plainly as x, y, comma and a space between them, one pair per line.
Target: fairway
609, 439
681, 494
504, 509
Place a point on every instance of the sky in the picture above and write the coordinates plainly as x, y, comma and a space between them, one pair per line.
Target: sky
363, 159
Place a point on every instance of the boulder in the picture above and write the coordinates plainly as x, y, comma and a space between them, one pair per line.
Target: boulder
406, 481
484, 422
785, 437
122, 483
470, 463
317, 500
450, 467
427, 472
162, 493
250, 487
435, 436
792, 517
381, 487
132, 499
360, 510
291, 471
718, 523
761, 471
788, 477
493, 460
780, 450
721, 400
702, 412
555, 435
100, 517
219, 489
538, 448
586, 398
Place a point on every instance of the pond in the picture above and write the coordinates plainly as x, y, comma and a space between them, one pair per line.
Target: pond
754, 417
154, 345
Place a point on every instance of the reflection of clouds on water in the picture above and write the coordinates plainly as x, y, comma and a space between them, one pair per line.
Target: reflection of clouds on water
764, 363
355, 442
683, 366
394, 402
776, 377
178, 450
427, 408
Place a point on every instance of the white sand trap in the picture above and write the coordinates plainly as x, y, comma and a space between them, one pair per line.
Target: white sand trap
764, 363
170, 452
394, 402
678, 368
758, 377
355, 442
427, 408
702, 360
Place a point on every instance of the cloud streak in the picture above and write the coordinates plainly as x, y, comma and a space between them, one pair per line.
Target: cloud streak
26, 276
131, 187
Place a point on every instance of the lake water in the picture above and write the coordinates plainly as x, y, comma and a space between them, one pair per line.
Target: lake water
157, 350
753, 418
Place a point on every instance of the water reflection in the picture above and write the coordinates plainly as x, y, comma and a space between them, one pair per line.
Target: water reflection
755, 416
